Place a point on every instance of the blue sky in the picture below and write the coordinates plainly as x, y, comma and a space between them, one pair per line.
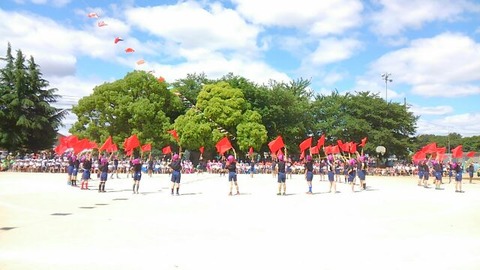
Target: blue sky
430, 47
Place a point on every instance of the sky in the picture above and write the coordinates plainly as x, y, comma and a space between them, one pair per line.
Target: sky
430, 49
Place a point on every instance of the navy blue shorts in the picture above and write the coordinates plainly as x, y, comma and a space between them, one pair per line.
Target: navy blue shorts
426, 175
351, 177
137, 176
70, 170
458, 177
176, 176
86, 175
282, 177
420, 174
331, 176
361, 175
75, 171
438, 175
309, 176
232, 176
103, 176
470, 174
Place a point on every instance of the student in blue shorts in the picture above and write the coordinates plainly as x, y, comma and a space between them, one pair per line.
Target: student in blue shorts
421, 172
458, 176
76, 166
176, 167
70, 159
362, 171
470, 171
331, 169
281, 175
438, 172
86, 162
137, 174
309, 172
231, 166
351, 173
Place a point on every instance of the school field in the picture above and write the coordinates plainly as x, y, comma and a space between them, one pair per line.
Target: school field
46, 224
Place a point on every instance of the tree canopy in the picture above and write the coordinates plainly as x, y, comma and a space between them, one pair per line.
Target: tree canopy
29, 121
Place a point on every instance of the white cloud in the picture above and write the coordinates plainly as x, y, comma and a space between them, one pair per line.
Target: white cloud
56, 3
439, 66
192, 26
465, 124
397, 15
436, 110
374, 86
331, 50
313, 16
215, 65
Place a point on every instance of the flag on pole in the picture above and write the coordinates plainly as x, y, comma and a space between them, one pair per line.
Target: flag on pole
457, 152
173, 132
471, 154
202, 148
167, 150
223, 145
276, 144
146, 147
307, 143
131, 143
321, 141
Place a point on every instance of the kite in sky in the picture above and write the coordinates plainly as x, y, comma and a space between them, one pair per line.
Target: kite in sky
92, 15
140, 62
101, 24
129, 50
118, 39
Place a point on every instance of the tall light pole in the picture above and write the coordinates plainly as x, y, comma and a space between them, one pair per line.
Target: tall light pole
386, 77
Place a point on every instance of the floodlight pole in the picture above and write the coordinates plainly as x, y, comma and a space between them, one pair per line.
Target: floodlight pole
386, 78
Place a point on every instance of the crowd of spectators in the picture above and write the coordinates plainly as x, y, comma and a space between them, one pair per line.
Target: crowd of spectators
52, 163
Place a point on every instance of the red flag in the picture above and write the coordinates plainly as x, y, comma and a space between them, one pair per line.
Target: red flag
81, 145
146, 147
307, 143
250, 151
279, 152
430, 148
420, 155
302, 155
340, 145
173, 132
223, 145
202, 149
457, 152
69, 141
364, 142
131, 142
321, 141
441, 150
161, 79
276, 144
130, 152
471, 154
166, 150
107, 145
335, 149
314, 150
353, 147
327, 149
60, 149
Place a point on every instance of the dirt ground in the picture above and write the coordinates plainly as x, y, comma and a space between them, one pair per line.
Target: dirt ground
47, 224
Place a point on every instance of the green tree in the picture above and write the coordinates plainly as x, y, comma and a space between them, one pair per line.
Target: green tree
352, 117
29, 121
137, 104
221, 109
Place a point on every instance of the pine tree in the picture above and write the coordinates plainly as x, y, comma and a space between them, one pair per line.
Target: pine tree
29, 121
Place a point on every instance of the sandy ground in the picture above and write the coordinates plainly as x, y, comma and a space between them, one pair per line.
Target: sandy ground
46, 224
